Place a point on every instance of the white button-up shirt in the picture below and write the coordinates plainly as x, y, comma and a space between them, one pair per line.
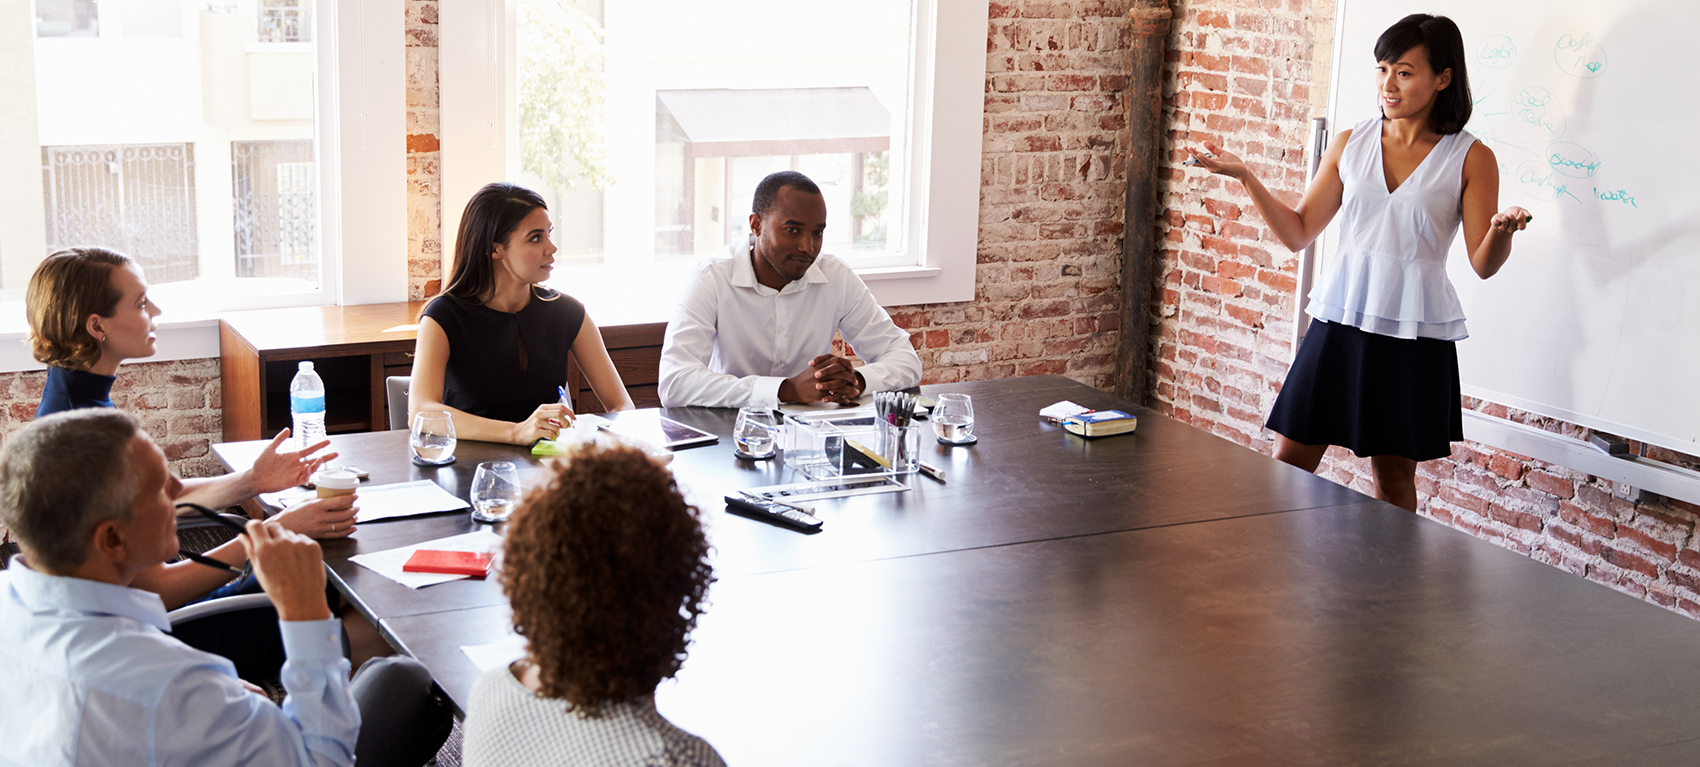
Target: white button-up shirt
732, 340
88, 676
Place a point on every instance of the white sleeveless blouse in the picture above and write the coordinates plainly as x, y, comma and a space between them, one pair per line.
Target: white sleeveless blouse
1389, 274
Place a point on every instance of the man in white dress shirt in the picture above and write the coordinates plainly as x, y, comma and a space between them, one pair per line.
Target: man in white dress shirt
90, 676
756, 323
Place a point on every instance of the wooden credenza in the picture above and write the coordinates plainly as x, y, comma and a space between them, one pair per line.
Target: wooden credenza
354, 348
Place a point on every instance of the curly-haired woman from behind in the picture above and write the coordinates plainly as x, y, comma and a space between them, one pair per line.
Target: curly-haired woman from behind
606, 569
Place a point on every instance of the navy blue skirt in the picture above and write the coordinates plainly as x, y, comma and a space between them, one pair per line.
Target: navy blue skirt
1371, 394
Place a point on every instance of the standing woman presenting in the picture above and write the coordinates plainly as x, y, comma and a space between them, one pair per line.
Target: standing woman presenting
492, 348
1378, 371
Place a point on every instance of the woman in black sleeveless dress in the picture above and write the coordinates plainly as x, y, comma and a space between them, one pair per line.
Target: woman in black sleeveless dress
492, 348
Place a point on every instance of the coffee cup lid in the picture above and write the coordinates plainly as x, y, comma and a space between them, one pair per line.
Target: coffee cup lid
336, 479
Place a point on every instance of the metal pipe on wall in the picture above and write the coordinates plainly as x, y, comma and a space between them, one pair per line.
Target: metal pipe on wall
1150, 21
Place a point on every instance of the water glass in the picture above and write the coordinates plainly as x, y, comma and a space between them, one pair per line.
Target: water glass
433, 438
953, 419
755, 433
495, 491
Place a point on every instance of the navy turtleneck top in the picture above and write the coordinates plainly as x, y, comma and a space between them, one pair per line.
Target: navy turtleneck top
74, 389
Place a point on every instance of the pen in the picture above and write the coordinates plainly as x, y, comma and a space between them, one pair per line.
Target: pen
931, 471
208, 561
214, 516
562, 392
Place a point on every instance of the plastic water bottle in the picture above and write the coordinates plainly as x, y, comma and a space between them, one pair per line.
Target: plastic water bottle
307, 405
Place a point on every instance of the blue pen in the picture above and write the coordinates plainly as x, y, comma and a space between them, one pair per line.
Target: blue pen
562, 391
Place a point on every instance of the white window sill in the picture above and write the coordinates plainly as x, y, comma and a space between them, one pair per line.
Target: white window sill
898, 272
186, 339
191, 337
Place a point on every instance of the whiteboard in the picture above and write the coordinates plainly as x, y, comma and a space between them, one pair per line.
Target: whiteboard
1593, 114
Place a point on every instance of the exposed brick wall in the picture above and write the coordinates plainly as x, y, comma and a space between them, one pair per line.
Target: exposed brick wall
1052, 183
1249, 76
178, 403
424, 177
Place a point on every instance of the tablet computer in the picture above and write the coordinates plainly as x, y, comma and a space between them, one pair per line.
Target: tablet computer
656, 429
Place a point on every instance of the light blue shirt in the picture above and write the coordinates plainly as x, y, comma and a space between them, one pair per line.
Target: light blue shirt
88, 676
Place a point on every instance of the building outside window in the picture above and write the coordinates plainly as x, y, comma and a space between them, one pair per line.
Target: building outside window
283, 21
276, 191
132, 110
138, 199
66, 18
647, 124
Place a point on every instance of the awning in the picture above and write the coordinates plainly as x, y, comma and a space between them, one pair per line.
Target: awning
778, 121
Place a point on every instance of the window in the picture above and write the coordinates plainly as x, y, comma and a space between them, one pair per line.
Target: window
126, 122
283, 21
276, 191
66, 18
646, 124
136, 198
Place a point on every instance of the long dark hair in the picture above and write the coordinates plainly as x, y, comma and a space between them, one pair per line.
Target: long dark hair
491, 217
1445, 46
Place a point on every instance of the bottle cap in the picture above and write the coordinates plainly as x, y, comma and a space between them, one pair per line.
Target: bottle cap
305, 365
336, 479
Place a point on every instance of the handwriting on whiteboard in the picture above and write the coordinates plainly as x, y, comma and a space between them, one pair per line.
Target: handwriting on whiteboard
1579, 55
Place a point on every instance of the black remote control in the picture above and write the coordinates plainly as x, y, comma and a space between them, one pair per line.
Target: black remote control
773, 512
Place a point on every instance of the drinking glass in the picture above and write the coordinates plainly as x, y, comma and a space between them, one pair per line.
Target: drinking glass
495, 491
433, 438
953, 419
755, 433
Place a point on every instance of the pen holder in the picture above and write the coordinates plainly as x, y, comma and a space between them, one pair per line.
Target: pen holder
823, 445
901, 446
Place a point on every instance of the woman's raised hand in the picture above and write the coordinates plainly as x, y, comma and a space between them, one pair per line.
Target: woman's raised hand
545, 422
276, 470
1511, 220
1218, 160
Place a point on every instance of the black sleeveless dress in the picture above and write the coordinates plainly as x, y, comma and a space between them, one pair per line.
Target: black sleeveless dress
485, 375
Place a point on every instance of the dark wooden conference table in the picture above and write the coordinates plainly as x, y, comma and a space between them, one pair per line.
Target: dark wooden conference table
1161, 598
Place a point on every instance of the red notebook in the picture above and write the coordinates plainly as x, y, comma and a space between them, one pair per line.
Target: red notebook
473, 563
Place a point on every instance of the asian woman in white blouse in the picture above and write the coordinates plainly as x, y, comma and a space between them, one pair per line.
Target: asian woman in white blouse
1377, 372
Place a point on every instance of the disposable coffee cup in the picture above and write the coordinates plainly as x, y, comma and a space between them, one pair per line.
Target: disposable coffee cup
334, 482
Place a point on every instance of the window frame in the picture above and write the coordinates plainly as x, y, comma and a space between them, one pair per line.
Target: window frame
479, 104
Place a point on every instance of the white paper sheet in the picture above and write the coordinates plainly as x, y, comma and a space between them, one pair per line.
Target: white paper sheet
1063, 410
402, 499
405, 499
495, 654
388, 562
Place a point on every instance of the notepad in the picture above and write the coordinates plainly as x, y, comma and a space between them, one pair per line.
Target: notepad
1100, 423
389, 562
475, 564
